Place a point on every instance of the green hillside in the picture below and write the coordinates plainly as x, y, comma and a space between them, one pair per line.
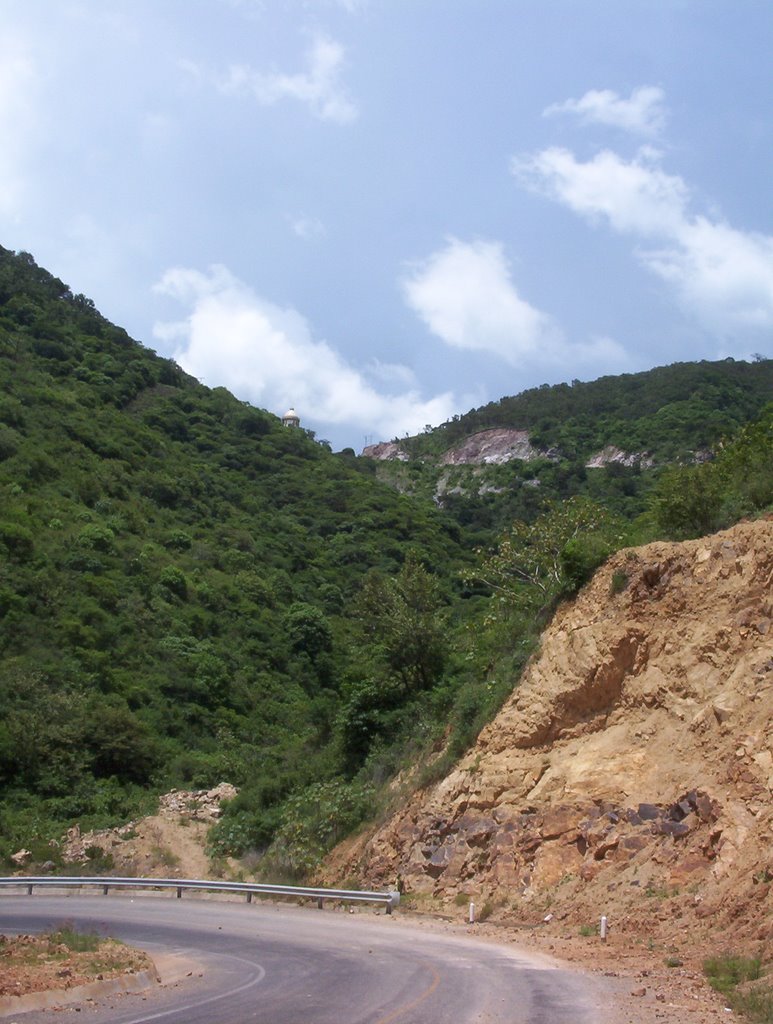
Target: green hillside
177, 572
669, 412
670, 415
192, 593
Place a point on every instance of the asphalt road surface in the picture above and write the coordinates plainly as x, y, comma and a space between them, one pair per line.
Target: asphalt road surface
298, 965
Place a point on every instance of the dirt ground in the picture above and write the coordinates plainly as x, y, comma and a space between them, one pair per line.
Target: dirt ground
33, 963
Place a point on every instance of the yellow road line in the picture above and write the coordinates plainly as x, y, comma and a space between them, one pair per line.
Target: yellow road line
409, 1006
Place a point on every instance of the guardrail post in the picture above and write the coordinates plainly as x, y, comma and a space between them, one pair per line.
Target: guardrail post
319, 902
104, 889
29, 890
179, 891
249, 897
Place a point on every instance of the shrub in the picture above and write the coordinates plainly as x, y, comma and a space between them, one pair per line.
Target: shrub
314, 820
174, 580
18, 541
729, 970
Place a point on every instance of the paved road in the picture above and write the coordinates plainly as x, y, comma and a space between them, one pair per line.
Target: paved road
297, 965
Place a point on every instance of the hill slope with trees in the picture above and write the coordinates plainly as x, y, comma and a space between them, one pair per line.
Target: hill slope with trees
177, 574
192, 593
608, 439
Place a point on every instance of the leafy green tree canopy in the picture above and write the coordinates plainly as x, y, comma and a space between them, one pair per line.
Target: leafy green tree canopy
537, 563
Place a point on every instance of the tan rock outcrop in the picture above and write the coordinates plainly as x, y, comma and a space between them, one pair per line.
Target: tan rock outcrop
635, 756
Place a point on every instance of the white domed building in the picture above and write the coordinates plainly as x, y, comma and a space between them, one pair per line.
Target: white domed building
291, 418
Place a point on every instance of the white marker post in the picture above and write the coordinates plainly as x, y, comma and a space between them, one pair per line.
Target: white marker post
472, 913
603, 929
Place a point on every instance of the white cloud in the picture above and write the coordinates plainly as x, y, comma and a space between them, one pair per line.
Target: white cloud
318, 87
18, 80
642, 114
722, 276
635, 196
307, 227
231, 337
391, 373
465, 296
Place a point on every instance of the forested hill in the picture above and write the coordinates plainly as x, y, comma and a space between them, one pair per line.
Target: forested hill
177, 571
608, 440
669, 412
192, 593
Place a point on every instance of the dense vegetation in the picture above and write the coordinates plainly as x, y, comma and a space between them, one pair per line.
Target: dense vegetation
191, 592
177, 574
671, 415
669, 412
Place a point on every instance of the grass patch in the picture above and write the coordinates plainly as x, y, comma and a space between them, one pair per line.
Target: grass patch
75, 941
618, 583
726, 972
485, 911
737, 978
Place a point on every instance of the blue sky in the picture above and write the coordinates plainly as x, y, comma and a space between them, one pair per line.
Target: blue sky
387, 212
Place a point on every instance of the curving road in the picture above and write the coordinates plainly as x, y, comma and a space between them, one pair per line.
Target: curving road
294, 965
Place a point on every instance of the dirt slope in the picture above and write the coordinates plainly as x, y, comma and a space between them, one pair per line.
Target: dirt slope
631, 772
169, 844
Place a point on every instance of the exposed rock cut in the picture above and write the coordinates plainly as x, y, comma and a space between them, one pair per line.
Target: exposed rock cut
385, 451
616, 456
494, 447
635, 759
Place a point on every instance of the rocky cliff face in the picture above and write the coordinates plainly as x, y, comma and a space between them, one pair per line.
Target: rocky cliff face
499, 445
632, 770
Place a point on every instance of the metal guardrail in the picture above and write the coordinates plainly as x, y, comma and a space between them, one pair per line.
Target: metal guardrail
105, 882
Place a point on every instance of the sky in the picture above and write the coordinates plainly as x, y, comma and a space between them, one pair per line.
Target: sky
384, 213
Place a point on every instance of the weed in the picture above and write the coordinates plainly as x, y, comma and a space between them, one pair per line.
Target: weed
587, 930
756, 1004
485, 911
351, 884
728, 971
163, 855
619, 582
737, 977
218, 866
661, 892
77, 942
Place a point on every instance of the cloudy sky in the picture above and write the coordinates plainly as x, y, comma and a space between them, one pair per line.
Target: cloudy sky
387, 212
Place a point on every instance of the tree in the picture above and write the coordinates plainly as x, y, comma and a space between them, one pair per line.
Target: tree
401, 625
308, 629
537, 563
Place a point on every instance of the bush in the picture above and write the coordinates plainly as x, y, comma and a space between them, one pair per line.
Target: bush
173, 579
314, 820
729, 970
18, 541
